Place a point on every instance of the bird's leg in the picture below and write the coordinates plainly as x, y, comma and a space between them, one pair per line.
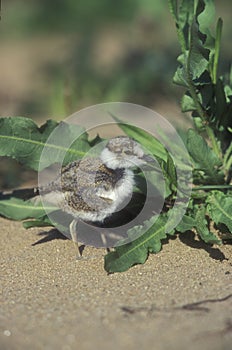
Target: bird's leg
103, 238
73, 232
74, 236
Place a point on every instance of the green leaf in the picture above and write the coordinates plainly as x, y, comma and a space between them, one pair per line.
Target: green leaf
207, 97
204, 157
198, 57
205, 15
227, 161
202, 227
198, 124
136, 252
187, 224
195, 55
173, 8
196, 218
18, 209
187, 103
217, 50
43, 222
23, 140
182, 12
221, 103
228, 91
185, 18
220, 208
186, 13
180, 76
169, 171
158, 150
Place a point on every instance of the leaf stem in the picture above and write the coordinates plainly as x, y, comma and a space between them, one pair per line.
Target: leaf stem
217, 50
212, 187
213, 140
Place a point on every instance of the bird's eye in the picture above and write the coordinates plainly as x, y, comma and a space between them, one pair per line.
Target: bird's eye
127, 152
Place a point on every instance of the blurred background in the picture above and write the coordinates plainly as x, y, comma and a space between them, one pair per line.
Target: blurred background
60, 56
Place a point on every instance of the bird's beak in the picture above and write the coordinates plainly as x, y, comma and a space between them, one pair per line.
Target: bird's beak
148, 158
150, 162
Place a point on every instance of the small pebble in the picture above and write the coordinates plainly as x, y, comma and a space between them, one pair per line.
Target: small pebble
7, 333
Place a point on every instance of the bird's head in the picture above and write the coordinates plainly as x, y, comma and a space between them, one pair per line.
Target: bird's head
123, 152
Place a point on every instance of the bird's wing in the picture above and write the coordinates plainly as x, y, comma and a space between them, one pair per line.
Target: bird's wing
85, 183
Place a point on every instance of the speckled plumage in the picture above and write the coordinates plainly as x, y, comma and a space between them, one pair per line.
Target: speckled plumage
92, 189
82, 184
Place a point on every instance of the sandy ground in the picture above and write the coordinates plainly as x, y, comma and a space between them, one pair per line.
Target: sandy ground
180, 299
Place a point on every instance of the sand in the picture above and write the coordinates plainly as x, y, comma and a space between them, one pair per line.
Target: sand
180, 299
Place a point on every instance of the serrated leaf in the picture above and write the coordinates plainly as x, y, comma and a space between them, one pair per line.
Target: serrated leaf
187, 224
198, 57
197, 219
136, 252
204, 157
198, 124
180, 77
220, 208
18, 209
202, 227
23, 140
200, 151
195, 56
186, 13
187, 103
205, 14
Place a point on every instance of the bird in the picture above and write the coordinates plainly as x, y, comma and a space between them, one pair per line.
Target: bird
92, 189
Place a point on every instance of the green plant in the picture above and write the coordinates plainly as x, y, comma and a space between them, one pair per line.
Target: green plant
208, 97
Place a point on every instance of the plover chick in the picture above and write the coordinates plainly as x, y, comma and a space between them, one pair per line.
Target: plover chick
92, 189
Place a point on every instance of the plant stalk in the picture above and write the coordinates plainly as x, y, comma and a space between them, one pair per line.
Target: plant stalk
212, 187
217, 50
201, 112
